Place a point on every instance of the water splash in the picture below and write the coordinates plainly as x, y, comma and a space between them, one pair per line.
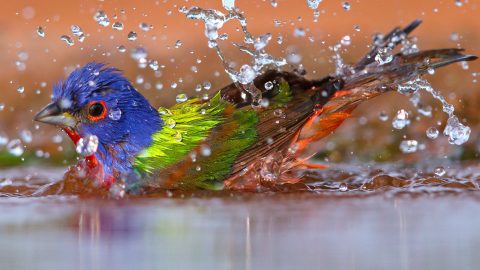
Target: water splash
456, 132
87, 146
214, 20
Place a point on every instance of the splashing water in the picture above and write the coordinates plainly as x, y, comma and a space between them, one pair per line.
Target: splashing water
214, 21
456, 132
87, 146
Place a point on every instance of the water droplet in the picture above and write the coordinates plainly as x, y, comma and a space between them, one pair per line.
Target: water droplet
343, 187
178, 44
145, 27
313, 4
26, 136
181, 97
205, 150
20, 65
262, 41
101, 18
117, 26
439, 171
299, 32
279, 113
21, 89
408, 146
159, 86
15, 147
346, 6
132, 36
87, 146
139, 79
207, 85
164, 111
76, 30
346, 41
268, 85
170, 122
178, 136
122, 49
279, 40
3, 138
264, 103
432, 133
246, 75
40, 32
454, 36
138, 53
384, 56
228, 4
117, 190
401, 119
67, 39
57, 139
457, 132
153, 64
383, 116
115, 114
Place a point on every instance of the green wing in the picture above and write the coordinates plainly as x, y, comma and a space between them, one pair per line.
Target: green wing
235, 135
186, 124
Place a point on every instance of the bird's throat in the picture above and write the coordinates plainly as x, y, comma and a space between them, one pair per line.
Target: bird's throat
91, 161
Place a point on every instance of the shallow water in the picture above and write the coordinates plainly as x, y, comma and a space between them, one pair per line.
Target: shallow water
418, 226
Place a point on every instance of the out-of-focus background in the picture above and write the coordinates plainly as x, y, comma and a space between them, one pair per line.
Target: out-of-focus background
36, 63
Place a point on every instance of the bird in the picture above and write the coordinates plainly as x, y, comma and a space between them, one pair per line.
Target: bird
215, 143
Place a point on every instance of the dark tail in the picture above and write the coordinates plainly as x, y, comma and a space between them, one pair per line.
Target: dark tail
368, 78
403, 67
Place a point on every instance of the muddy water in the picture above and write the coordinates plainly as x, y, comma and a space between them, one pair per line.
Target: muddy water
417, 226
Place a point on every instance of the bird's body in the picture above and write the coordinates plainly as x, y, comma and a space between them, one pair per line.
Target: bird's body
211, 143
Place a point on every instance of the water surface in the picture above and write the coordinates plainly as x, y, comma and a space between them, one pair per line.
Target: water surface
415, 227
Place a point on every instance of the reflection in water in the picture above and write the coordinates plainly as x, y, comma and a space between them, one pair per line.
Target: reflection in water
303, 231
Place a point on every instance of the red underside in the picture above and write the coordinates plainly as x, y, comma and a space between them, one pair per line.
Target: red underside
92, 162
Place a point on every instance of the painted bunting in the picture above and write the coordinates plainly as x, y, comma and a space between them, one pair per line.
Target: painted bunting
212, 143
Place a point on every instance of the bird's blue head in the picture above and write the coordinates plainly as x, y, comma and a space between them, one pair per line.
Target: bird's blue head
98, 100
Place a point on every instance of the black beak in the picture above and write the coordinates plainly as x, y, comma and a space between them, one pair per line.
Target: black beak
53, 114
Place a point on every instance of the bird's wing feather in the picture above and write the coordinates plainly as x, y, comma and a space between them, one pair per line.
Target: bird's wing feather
186, 124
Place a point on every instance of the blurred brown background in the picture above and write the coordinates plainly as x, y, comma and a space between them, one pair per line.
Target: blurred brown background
44, 61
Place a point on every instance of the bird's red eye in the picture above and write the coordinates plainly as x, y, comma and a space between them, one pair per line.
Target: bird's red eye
96, 110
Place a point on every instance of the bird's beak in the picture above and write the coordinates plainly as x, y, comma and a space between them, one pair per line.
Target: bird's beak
53, 114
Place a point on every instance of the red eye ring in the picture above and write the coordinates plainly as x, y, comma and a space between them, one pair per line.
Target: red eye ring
96, 110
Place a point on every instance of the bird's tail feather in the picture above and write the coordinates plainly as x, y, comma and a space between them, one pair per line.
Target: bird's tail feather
369, 79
